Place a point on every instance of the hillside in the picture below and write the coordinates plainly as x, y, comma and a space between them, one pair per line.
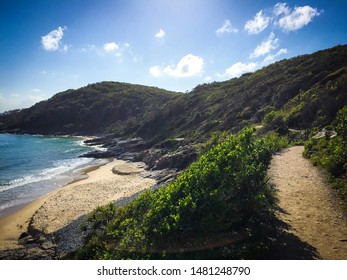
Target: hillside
298, 93
96, 108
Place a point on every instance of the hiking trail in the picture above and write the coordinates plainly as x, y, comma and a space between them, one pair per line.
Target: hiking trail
315, 226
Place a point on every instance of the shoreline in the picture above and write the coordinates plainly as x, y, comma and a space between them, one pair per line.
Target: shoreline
17, 218
46, 178
54, 211
81, 174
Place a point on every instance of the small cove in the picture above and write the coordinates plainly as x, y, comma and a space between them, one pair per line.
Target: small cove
32, 166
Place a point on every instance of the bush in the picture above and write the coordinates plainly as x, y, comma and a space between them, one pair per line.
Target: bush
224, 193
331, 153
274, 121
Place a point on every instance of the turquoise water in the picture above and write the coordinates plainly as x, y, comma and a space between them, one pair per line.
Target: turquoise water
31, 166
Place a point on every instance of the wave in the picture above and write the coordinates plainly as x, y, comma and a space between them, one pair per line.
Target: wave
61, 169
12, 203
41, 165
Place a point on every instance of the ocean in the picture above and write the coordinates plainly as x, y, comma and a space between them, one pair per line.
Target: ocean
31, 166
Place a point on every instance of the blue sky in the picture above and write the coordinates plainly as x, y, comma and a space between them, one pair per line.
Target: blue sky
48, 46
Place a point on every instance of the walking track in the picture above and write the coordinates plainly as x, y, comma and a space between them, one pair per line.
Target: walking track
315, 227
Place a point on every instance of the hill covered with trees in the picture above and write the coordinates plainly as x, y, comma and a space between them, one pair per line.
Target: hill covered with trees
96, 108
298, 93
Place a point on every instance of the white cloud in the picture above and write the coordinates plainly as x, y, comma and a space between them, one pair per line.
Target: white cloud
155, 71
265, 47
281, 51
286, 18
110, 47
51, 41
271, 57
37, 90
296, 19
88, 48
65, 48
160, 34
281, 8
226, 28
189, 66
239, 68
19, 101
117, 51
257, 24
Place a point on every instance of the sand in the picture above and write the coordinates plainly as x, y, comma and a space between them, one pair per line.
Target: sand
308, 206
53, 213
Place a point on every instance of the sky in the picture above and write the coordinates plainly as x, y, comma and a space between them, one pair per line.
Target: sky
48, 46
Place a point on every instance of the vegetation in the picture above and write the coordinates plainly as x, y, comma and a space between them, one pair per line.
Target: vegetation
217, 208
98, 108
330, 152
299, 93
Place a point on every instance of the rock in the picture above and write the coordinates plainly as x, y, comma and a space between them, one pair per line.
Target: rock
48, 246
128, 156
162, 176
127, 149
168, 154
178, 160
167, 177
30, 252
324, 132
26, 239
151, 156
170, 144
98, 154
41, 239
30, 240
23, 235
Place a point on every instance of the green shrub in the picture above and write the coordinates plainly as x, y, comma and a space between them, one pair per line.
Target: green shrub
274, 121
223, 193
331, 153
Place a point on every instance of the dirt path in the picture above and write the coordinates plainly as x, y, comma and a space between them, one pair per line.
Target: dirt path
315, 225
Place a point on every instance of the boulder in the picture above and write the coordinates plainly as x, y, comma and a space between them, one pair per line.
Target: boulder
176, 160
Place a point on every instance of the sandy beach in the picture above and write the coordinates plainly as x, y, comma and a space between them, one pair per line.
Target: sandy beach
59, 213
